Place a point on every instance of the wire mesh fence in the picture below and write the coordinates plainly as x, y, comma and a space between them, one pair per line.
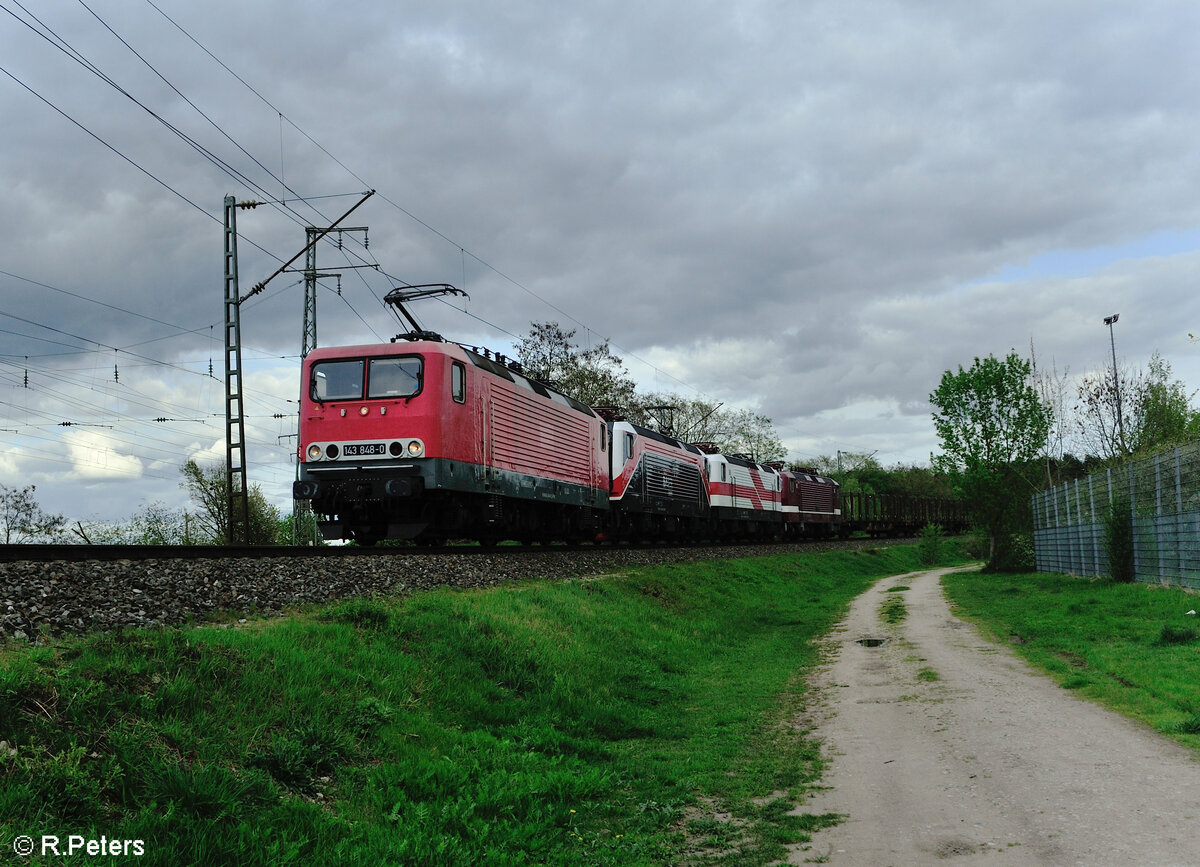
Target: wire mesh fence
1162, 496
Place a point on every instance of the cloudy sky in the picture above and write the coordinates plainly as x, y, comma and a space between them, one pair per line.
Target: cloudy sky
811, 209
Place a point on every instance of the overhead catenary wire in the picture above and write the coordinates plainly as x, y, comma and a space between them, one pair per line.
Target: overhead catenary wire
242, 178
463, 251
62, 45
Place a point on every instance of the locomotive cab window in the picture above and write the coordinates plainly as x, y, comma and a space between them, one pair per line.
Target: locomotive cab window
336, 380
458, 382
628, 450
394, 377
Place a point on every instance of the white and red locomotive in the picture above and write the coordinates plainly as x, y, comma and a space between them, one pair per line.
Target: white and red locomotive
430, 440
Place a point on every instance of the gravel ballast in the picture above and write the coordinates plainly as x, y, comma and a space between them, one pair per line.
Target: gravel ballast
56, 597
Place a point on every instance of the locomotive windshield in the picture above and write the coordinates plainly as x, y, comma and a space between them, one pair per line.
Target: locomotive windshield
337, 380
386, 377
394, 377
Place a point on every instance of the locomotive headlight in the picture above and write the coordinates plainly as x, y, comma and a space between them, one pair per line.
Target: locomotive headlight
415, 449
314, 452
362, 410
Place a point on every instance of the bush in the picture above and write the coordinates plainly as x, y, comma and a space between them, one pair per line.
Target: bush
975, 544
929, 546
1014, 553
1118, 540
1176, 635
1189, 725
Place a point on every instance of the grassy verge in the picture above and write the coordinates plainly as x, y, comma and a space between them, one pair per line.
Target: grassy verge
1130, 647
645, 718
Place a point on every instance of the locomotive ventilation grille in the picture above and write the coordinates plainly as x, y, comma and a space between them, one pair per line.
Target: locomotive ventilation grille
670, 480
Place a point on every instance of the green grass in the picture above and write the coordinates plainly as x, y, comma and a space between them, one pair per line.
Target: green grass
640, 719
893, 610
1131, 647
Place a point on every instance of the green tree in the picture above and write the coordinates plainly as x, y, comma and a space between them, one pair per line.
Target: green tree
594, 375
992, 426
23, 520
856, 472
206, 487
1164, 415
299, 528
861, 473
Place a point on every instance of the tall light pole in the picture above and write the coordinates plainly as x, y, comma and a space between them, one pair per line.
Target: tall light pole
1110, 321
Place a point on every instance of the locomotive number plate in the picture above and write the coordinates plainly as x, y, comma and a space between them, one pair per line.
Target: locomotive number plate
358, 450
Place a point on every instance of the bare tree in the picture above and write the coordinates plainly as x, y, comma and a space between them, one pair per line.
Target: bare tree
695, 420
1097, 419
23, 520
1053, 388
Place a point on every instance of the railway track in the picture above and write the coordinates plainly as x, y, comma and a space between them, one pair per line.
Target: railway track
78, 553
54, 589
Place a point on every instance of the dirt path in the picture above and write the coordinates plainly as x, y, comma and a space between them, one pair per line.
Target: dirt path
989, 763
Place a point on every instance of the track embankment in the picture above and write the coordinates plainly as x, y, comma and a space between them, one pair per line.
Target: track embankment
57, 596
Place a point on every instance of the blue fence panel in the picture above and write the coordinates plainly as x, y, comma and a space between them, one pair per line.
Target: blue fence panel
1164, 492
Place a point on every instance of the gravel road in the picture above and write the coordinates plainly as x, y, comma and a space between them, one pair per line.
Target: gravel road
988, 764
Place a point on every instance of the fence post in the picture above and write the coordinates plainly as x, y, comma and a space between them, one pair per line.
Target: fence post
1108, 479
1095, 525
1158, 519
1079, 546
1137, 548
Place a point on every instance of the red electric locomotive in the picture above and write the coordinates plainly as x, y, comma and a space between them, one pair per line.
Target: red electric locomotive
427, 439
